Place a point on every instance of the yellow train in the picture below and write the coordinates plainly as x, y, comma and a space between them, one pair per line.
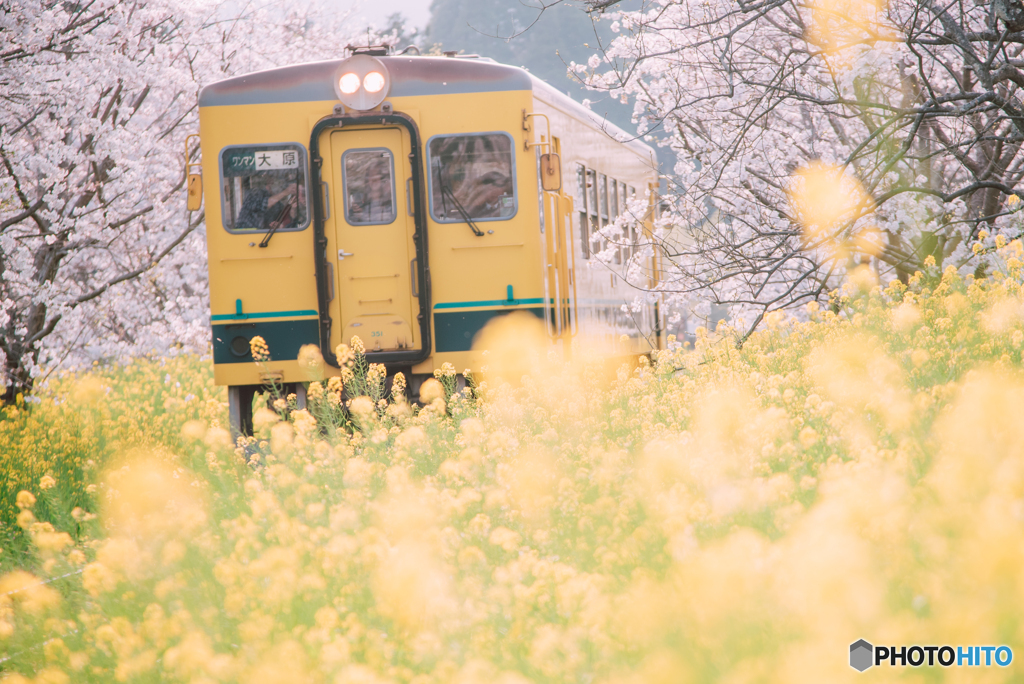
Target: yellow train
408, 200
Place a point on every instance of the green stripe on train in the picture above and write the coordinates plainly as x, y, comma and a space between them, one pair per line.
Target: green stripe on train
489, 302
454, 330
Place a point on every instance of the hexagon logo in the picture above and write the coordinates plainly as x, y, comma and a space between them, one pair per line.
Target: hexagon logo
861, 655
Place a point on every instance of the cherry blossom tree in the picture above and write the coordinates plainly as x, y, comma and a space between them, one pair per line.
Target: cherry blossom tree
98, 254
817, 135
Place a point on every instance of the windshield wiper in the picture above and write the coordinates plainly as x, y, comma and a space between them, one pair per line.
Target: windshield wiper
446, 193
266, 238
275, 224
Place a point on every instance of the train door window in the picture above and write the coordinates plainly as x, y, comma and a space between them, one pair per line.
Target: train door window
472, 176
369, 179
581, 204
263, 188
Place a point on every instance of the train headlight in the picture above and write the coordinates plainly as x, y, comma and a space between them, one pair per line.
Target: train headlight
361, 82
374, 82
349, 83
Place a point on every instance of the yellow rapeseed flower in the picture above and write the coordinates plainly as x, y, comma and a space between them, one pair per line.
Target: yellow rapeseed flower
505, 538
446, 370
430, 390
259, 349
315, 392
193, 430
824, 198
25, 519
375, 374
362, 407
344, 354
89, 390
264, 418
98, 579
303, 421
398, 386
838, 24
808, 437
310, 359
28, 592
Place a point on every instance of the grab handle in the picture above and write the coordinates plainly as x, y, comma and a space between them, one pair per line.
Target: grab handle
413, 279
327, 199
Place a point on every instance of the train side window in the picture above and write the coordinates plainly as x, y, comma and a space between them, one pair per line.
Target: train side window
602, 187
636, 230
263, 188
611, 211
592, 204
581, 204
637, 219
472, 175
592, 192
368, 176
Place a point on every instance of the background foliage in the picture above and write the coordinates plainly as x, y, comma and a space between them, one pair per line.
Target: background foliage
545, 42
902, 116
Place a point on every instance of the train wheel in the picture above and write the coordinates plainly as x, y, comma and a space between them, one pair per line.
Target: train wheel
240, 409
240, 405
299, 390
416, 382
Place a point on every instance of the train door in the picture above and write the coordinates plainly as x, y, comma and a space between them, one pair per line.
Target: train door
561, 278
374, 226
567, 274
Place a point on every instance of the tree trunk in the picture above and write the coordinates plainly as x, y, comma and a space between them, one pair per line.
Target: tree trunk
19, 379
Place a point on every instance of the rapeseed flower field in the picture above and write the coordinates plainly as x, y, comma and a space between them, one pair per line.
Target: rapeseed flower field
713, 514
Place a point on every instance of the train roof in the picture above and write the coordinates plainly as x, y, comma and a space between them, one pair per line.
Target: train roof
410, 76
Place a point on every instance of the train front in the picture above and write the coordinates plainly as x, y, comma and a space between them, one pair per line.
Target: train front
375, 196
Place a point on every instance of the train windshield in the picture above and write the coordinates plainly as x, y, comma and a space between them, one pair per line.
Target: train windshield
369, 177
264, 188
472, 176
